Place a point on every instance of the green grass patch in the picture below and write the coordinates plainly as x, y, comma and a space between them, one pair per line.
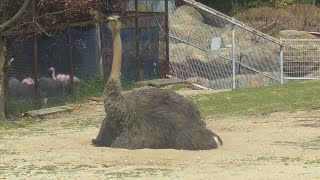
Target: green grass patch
82, 123
17, 124
263, 100
250, 101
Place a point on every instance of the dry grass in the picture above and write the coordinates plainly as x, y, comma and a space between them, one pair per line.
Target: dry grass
272, 20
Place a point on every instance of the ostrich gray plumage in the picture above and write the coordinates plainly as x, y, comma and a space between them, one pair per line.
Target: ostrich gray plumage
149, 118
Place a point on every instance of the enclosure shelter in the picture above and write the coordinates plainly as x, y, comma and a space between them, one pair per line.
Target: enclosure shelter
73, 39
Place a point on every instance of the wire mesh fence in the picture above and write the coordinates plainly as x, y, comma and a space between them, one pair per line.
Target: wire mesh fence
301, 59
78, 43
216, 51
149, 37
74, 40
51, 51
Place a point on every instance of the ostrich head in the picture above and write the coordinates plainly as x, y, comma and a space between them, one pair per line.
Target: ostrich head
114, 23
51, 69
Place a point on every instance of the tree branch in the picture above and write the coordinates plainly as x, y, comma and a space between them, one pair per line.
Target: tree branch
16, 16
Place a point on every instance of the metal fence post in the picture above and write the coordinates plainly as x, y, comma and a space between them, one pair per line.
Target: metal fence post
35, 59
69, 59
281, 62
137, 38
233, 57
167, 30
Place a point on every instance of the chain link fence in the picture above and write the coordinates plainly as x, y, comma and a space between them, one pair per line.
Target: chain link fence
216, 51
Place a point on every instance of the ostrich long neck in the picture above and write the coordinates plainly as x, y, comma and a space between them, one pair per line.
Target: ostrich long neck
117, 54
114, 102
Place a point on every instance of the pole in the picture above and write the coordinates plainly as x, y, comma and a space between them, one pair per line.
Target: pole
35, 58
281, 62
6, 85
138, 67
69, 59
233, 58
103, 60
101, 45
167, 68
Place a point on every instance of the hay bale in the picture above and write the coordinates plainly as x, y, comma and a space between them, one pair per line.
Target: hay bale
185, 14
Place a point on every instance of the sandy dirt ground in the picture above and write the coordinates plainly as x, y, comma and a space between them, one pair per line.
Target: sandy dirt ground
276, 146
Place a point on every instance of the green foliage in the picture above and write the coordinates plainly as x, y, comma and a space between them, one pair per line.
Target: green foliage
263, 100
224, 6
17, 108
127, 81
89, 88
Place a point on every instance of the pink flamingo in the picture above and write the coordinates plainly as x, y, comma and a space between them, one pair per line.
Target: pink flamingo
28, 81
63, 79
26, 87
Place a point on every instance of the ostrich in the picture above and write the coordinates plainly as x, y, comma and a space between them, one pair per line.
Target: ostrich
63, 79
13, 86
48, 86
149, 118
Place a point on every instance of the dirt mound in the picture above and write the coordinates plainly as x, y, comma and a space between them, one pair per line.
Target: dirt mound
293, 34
201, 34
242, 81
186, 61
182, 52
156, 119
190, 33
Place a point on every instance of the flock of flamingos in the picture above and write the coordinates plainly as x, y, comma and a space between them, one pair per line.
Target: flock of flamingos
47, 86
